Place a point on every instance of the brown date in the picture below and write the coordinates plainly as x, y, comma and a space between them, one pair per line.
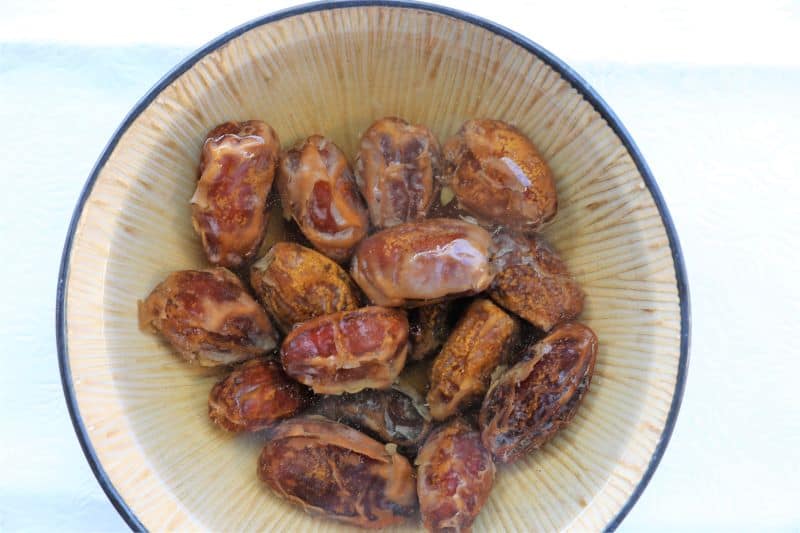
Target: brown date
229, 205
397, 415
397, 169
539, 395
318, 191
462, 372
497, 174
455, 474
348, 351
429, 327
420, 263
254, 396
208, 317
533, 282
296, 284
332, 470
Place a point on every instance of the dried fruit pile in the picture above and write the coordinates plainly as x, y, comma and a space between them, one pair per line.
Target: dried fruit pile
450, 293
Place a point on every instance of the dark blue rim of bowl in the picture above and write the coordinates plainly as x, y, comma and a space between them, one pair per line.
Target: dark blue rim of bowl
559, 66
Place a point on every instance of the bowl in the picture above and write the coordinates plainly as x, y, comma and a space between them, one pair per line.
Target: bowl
140, 413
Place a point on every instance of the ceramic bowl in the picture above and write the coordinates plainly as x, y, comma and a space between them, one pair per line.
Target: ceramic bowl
140, 413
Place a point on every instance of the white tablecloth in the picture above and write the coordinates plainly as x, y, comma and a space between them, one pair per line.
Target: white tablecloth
709, 92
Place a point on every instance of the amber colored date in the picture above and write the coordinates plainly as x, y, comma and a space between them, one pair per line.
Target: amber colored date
208, 317
397, 415
533, 282
397, 169
539, 395
498, 175
229, 205
296, 284
462, 372
332, 470
318, 190
348, 351
455, 474
420, 263
254, 396
429, 327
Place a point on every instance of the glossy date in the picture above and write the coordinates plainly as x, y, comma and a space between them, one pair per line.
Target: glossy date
332, 470
318, 190
420, 263
348, 351
461, 373
539, 395
296, 284
208, 317
498, 175
254, 396
229, 205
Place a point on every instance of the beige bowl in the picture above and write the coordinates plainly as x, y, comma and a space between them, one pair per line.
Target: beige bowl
140, 413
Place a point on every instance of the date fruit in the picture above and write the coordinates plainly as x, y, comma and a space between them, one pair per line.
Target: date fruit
397, 169
296, 284
497, 175
397, 415
318, 191
429, 327
229, 205
533, 282
255, 396
539, 395
420, 263
462, 372
208, 317
348, 351
455, 474
332, 470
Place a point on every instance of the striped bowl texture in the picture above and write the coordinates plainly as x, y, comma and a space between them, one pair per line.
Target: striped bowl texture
140, 412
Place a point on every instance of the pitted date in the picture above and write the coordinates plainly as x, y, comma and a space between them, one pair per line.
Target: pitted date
208, 317
429, 327
254, 396
318, 190
229, 205
332, 470
539, 395
462, 372
348, 351
420, 263
533, 282
455, 474
498, 175
397, 169
296, 284
397, 415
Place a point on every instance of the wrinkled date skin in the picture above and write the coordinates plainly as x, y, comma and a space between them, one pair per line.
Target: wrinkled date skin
533, 282
348, 351
397, 415
208, 317
254, 396
455, 474
429, 326
498, 175
462, 372
296, 284
333, 470
398, 168
318, 191
420, 263
539, 395
229, 205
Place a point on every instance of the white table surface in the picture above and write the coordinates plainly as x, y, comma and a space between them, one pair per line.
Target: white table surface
709, 92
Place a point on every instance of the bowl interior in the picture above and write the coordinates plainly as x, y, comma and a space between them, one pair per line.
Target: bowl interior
334, 71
